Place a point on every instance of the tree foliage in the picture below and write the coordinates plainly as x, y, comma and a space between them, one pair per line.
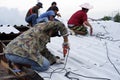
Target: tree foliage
106, 18
117, 17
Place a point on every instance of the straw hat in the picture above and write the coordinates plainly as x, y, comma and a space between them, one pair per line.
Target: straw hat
86, 6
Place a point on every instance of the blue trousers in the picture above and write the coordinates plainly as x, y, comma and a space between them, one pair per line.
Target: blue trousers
32, 19
24, 60
39, 20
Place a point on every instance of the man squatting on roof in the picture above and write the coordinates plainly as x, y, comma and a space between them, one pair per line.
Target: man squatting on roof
29, 48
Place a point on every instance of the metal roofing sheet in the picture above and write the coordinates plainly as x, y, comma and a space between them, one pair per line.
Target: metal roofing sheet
8, 29
90, 57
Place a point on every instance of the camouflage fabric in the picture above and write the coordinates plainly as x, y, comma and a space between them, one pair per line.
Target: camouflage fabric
80, 28
47, 54
33, 41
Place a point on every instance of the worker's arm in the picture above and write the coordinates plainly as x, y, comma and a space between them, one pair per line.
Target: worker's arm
86, 23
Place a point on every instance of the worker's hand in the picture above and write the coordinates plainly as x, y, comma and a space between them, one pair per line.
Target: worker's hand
91, 31
66, 44
58, 14
65, 48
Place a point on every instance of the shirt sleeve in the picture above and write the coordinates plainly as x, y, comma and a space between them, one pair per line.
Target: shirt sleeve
62, 29
58, 26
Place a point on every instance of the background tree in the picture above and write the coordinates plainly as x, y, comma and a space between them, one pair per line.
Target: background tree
106, 18
117, 17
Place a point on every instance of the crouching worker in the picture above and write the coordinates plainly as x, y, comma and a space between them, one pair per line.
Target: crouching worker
78, 22
29, 48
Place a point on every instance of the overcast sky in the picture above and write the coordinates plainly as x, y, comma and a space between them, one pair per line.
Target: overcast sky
14, 11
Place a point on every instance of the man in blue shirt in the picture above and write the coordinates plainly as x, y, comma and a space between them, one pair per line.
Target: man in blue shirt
48, 16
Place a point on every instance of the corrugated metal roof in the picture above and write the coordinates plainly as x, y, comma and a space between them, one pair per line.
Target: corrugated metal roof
90, 57
8, 29
8, 32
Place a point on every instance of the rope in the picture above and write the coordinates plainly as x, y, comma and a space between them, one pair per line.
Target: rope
110, 59
67, 74
101, 36
61, 69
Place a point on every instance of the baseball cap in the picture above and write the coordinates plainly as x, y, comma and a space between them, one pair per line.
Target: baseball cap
39, 4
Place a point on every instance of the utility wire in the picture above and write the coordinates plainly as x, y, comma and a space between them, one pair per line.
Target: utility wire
110, 59
67, 74
61, 69
101, 35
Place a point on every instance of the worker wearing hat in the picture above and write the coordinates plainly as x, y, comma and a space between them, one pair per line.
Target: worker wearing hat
32, 14
78, 22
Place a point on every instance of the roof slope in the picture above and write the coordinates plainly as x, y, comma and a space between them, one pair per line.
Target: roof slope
90, 57
8, 29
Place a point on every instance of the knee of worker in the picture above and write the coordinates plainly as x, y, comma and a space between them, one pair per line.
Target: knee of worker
11, 57
44, 66
85, 31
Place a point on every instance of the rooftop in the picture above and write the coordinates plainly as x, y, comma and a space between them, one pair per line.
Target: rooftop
90, 57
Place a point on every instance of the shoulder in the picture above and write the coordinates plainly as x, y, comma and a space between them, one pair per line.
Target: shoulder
49, 8
51, 12
82, 13
34, 8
